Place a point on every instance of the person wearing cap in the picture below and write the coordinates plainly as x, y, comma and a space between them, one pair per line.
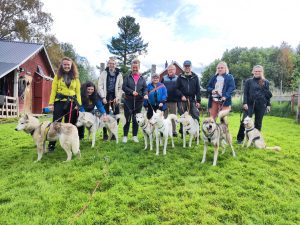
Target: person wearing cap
188, 86
220, 88
157, 96
135, 89
169, 81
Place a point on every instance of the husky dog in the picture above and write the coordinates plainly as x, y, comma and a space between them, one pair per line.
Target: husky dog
91, 122
111, 125
163, 127
254, 136
215, 134
66, 133
191, 126
147, 128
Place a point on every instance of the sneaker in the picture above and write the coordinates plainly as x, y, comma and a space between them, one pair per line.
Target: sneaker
113, 137
125, 139
51, 148
239, 142
135, 139
105, 137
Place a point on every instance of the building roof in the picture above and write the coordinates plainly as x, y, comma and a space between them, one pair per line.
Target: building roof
13, 54
175, 63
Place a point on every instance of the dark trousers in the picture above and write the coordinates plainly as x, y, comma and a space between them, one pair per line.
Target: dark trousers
62, 108
150, 110
116, 110
131, 107
189, 106
258, 110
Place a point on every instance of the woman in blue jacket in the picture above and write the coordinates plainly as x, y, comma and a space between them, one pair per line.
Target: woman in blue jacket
157, 96
90, 99
220, 89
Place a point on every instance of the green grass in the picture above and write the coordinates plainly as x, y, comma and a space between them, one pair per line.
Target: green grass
137, 187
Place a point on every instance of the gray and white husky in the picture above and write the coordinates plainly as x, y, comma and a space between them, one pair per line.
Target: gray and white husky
41, 132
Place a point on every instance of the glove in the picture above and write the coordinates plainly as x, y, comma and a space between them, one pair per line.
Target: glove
268, 109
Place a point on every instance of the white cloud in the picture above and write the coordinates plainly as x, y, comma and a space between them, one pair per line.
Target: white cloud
89, 25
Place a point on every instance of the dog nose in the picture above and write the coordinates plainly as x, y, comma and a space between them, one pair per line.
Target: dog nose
209, 126
16, 129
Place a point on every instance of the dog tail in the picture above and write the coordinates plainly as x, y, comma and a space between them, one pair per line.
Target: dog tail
122, 119
276, 148
223, 115
172, 117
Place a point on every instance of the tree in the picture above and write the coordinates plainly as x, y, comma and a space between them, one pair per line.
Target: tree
54, 50
128, 44
23, 20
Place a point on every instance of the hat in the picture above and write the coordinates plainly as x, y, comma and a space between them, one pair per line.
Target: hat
155, 75
187, 63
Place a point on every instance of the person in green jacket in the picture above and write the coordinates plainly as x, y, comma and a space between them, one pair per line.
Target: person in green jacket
65, 98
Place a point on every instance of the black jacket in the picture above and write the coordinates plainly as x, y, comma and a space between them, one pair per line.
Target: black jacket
189, 87
253, 92
170, 83
129, 87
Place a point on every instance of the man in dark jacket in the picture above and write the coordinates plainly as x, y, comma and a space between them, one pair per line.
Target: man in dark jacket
170, 81
188, 87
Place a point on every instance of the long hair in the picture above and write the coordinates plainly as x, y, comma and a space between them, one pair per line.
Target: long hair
85, 98
262, 80
73, 73
225, 65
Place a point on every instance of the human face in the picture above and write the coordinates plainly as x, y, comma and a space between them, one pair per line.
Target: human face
257, 72
90, 90
171, 71
135, 67
66, 64
111, 65
187, 69
221, 69
155, 80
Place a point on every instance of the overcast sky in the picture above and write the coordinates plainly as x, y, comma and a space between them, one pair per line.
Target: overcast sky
176, 29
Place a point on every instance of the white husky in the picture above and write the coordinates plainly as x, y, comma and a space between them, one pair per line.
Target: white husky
191, 126
91, 122
163, 127
147, 127
66, 133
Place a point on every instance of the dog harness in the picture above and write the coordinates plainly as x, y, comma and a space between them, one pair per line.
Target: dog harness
247, 135
209, 136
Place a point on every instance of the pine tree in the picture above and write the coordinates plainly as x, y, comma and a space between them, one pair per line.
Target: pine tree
129, 44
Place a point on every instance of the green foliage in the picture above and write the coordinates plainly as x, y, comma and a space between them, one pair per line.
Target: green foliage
280, 64
129, 44
137, 187
23, 20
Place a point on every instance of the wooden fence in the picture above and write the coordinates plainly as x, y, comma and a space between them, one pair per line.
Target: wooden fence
8, 107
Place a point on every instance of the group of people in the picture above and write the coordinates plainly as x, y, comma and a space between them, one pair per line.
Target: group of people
172, 93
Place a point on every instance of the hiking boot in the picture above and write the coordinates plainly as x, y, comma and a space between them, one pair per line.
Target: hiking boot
51, 148
113, 137
175, 134
239, 142
125, 139
135, 139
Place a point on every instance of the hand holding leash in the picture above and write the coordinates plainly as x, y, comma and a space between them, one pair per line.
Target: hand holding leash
268, 109
183, 98
51, 108
245, 107
104, 101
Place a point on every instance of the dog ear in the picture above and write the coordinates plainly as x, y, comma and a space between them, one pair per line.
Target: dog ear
26, 117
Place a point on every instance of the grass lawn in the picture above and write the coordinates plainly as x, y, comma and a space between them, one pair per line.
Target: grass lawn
137, 187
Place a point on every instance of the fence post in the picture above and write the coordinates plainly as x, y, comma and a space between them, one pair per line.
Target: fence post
298, 108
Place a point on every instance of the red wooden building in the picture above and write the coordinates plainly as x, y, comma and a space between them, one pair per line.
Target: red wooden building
26, 76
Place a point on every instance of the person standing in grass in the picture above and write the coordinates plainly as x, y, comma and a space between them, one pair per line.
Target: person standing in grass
65, 95
110, 90
256, 100
220, 88
169, 81
135, 89
90, 99
157, 96
188, 87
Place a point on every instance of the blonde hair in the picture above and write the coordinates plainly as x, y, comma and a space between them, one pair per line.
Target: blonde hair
136, 61
224, 64
262, 81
